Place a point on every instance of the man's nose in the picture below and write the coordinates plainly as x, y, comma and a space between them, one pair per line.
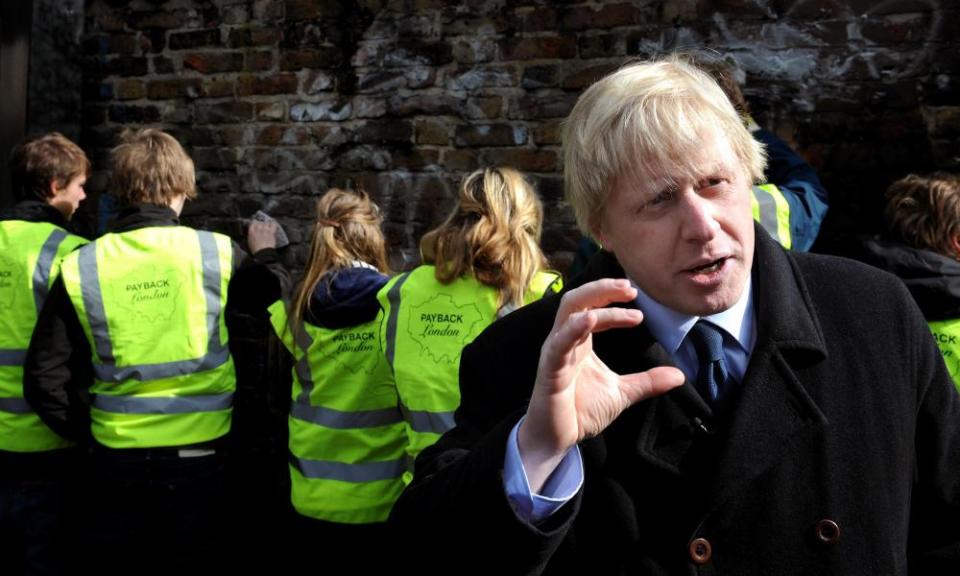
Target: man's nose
699, 222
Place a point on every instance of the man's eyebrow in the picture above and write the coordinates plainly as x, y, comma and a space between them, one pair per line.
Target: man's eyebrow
711, 170
663, 187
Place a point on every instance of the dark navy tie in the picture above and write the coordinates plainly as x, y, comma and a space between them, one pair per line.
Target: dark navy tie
708, 342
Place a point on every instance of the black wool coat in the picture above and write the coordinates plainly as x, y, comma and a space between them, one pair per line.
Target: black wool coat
840, 453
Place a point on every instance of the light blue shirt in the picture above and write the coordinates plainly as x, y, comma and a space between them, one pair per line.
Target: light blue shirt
670, 328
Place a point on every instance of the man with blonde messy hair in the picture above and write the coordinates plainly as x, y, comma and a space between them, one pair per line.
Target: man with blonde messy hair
137, 321
700, 400
788, 199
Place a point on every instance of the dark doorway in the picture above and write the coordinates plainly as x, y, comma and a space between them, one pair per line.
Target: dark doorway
14, 72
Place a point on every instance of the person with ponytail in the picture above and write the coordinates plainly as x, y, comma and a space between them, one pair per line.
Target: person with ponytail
483, 262
347, 439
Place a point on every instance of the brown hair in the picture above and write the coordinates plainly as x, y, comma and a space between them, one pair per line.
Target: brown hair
724, 71
150, 166
346, 229
924, 211
51, 158
493, 234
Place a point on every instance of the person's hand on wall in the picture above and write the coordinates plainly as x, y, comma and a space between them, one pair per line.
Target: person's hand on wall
262, 235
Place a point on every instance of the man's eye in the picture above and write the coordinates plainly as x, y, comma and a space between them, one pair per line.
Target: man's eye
661, 198
711, 182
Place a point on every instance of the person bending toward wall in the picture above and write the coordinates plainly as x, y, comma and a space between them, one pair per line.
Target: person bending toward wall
483, 262
346, 433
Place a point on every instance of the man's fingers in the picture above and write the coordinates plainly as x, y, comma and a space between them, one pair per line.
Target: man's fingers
577, 327
653, 382
609, 318
596, 294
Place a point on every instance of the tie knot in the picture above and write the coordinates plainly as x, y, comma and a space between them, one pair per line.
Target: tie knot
707, 340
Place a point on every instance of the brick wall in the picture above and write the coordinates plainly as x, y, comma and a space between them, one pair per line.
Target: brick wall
278, 100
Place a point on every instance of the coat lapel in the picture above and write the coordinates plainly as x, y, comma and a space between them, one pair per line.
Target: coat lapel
774, 407
660, 431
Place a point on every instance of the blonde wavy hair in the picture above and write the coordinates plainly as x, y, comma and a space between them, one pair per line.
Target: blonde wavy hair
642, 121
150, 166
346, 230
924, 211
493, 235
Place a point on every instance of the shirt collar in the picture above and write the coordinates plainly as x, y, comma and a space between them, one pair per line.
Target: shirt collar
670, 327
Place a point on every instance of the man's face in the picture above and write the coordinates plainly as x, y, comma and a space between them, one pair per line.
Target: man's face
67, 198
688, 245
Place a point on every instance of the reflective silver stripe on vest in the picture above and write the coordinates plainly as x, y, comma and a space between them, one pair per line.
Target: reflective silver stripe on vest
93, 302
41, 272
144, 372
345, 420
304, 373
210, 257
423, 421
768, 211
393, 296
362, 472
12, 357
15, 406
163, 405
107, 370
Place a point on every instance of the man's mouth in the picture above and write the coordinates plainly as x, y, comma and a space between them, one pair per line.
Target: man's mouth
708, 267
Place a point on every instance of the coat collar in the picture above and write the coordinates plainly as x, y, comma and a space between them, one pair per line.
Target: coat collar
136, 216
34, 211
772, 406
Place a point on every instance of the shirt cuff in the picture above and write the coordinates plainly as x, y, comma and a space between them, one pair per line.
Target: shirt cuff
559, 488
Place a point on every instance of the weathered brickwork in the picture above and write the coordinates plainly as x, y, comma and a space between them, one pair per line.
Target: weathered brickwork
278, 100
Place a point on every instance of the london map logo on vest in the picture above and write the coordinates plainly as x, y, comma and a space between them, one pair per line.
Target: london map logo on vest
442, 327
151, 298
9, 280
353, 350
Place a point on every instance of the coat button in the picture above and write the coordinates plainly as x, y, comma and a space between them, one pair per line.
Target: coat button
700, 551
828, 531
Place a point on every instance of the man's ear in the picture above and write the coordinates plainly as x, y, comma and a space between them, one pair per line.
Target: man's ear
596, 231
53, 188
955, 244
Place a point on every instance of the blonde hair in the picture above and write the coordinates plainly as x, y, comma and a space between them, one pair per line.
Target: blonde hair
924, 211
643, 121
51, 158
346, 229
150, 166
493, 235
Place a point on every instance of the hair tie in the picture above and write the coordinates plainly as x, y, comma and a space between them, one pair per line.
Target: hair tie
330, 223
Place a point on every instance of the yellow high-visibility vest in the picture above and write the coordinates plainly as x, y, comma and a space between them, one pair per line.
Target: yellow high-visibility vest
30, 256
772, 211
151, 304
426, 326
947, 335
347, 436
